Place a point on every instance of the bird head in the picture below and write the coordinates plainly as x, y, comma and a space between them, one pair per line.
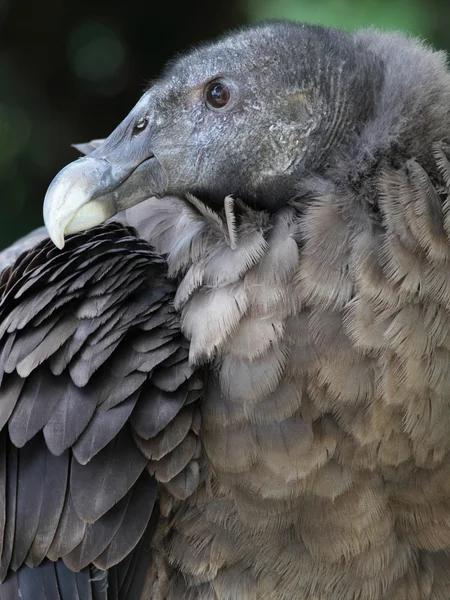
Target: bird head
249, 115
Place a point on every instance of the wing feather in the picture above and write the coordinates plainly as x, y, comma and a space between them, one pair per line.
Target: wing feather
30, 414
97, 537
95, 382
134, 523
51, 505
11, 508
104, 480
70, 532
30, 490
103, 427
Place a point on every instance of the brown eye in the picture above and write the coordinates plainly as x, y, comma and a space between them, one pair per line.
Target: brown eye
217, 95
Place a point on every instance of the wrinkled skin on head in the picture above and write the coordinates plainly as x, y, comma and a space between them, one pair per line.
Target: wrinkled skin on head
296, 93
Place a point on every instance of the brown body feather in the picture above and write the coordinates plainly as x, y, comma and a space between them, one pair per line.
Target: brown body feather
326, 413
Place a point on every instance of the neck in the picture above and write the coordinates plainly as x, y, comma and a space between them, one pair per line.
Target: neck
347, 78
230, 264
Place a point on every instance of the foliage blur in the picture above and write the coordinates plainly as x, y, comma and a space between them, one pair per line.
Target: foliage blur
70, 70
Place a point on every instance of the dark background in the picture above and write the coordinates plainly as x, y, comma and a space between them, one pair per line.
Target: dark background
70, 70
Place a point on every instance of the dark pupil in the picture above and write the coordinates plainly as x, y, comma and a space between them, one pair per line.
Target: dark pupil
218, 95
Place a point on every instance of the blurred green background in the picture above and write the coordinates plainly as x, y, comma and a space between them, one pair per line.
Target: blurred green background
70, 70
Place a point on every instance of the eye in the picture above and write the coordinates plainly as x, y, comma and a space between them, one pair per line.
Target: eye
217, 94
140, 125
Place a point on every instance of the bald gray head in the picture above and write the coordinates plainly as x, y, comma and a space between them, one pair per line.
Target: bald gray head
250, 115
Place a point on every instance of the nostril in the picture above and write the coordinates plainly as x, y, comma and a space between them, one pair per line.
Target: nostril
140, 125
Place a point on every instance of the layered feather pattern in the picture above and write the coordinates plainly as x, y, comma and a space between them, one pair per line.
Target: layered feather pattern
325, 418
98, 403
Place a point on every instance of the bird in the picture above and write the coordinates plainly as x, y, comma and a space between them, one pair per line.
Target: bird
225, 376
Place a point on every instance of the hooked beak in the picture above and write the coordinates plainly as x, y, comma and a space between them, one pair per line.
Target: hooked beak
118, 174
86, 193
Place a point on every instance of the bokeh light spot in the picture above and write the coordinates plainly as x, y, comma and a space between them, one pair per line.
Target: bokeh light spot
15, 128
96, 53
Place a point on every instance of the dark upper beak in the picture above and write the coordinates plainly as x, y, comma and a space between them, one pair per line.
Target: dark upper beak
119, 173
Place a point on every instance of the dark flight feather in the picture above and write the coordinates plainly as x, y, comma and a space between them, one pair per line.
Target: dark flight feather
70, 417
102, 428
31, 412
149, 418
70, 532
30, 492
106, 478
97, 536
133, 525
9, 531
77, 489
51, 506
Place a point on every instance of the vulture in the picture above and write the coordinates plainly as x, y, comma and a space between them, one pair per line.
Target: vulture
226, 375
